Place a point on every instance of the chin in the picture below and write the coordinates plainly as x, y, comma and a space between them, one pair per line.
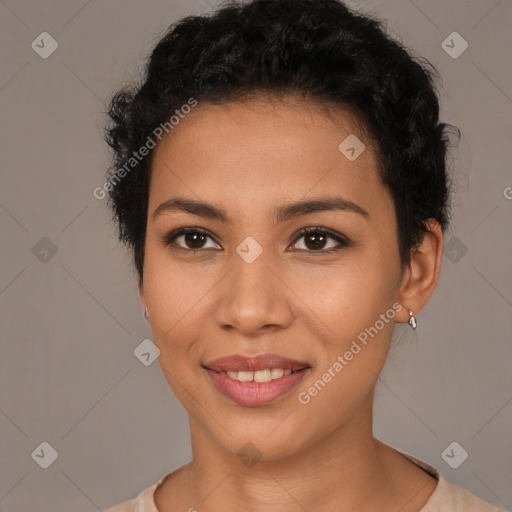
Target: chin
266, 440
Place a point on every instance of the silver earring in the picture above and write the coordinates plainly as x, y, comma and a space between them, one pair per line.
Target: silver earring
412, 320
146, 313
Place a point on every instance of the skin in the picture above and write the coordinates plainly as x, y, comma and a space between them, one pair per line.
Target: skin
250, 158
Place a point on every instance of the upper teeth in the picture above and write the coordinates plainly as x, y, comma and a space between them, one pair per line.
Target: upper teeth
260, 375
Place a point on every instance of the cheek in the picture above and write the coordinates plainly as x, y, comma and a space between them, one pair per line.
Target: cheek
173, 297
171, 286
350, 313
352, 352
348, 295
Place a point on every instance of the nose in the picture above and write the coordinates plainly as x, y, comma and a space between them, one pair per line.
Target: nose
253, 298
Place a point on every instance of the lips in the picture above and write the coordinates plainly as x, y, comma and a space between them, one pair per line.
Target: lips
255, 381
240, 363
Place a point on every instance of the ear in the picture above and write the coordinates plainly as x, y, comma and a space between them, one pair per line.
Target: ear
421, 276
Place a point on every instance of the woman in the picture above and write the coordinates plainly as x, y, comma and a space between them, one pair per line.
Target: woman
280, 178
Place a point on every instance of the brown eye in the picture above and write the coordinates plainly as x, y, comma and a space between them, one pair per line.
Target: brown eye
192, 239
315, 240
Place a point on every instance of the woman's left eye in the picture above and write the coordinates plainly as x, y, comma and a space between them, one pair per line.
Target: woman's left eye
316, 237
315, 240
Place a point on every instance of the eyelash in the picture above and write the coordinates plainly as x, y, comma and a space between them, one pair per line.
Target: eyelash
343, 241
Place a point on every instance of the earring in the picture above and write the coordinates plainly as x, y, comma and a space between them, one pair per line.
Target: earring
146, 313
412, 320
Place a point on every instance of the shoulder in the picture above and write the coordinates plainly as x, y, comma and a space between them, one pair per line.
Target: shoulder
144, 502
449, 497
125, 506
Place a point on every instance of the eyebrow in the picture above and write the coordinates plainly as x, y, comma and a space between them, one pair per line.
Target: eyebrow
281, 213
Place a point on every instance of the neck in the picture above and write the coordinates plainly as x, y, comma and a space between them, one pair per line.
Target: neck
345, 470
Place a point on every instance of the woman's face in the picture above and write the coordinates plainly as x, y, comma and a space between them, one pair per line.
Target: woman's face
254, 285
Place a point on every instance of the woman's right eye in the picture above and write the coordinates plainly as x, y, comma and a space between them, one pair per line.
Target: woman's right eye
192, 239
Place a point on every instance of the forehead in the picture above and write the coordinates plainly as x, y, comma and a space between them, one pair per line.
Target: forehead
253, 153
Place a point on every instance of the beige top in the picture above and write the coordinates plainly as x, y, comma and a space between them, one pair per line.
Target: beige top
446, 497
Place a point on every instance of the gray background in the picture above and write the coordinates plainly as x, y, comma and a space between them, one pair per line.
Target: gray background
70, 321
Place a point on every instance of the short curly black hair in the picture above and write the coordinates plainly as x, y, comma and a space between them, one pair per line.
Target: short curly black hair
319, 49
